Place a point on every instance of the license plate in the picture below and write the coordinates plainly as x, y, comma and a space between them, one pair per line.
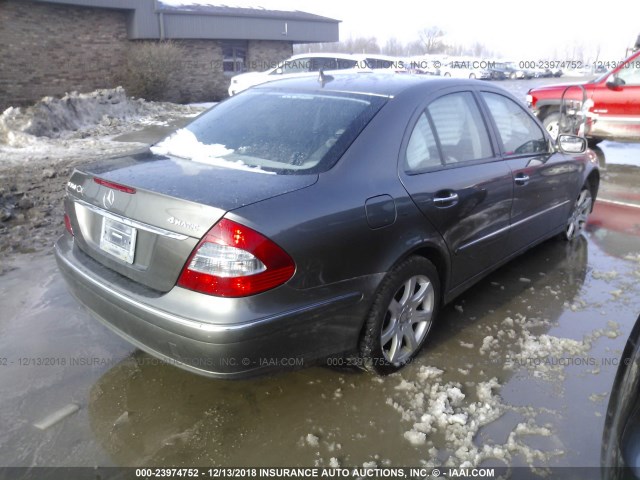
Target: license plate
118, 239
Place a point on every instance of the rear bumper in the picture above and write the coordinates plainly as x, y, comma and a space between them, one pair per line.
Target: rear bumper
297, 336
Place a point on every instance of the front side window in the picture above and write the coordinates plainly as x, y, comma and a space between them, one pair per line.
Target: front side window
519, 133
630, 73
459, 128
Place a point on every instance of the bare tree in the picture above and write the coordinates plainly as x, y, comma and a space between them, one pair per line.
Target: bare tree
350, 45
394, 47
431, 39
415, 48
361, 45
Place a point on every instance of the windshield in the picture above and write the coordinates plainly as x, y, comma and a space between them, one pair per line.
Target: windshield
276, 131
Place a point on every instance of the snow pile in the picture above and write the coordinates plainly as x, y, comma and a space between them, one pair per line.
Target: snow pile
435, 408
185, 144
101, 112
51, 117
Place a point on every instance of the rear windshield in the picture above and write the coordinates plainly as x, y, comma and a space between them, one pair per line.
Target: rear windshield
274, 131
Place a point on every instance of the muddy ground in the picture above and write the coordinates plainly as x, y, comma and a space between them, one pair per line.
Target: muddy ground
40, 146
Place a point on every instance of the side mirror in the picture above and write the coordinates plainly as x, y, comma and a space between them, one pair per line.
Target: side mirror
571, 144
614, 82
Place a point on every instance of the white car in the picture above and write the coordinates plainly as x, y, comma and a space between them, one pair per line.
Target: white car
381, 63
465, 68
297, 66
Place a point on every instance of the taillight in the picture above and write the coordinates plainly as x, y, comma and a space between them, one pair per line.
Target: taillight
235, 261
67, 224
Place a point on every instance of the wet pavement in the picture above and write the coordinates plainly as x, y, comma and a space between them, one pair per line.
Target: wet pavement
517, 372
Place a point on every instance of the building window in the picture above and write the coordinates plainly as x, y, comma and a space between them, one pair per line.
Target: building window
234, 56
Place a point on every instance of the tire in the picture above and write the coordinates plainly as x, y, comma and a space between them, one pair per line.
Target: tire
592, 142
551, 124
579, 214
401, 317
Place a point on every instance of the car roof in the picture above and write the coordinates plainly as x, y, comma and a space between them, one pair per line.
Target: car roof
365, 83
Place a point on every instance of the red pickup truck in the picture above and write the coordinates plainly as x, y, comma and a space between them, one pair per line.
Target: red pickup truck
607, 107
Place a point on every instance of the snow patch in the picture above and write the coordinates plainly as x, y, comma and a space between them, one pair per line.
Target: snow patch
312, 440
185, 144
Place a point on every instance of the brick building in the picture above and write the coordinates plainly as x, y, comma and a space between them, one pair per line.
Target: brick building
49, 47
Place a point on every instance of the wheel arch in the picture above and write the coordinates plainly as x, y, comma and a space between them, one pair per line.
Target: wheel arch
546, 109
433, 252
439, 260
437, 255
593, 181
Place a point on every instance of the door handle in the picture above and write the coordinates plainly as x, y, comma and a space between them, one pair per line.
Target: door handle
447, 201
522, 179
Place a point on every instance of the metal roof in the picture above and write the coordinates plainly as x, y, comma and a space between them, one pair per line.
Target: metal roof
154, 20
235, 11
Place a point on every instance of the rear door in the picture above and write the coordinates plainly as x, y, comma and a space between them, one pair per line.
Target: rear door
461, 186
543, 181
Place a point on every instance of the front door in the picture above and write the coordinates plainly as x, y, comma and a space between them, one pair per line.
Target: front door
617, 107
542, 197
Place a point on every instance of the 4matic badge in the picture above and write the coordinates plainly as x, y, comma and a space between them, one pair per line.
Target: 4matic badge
183, 224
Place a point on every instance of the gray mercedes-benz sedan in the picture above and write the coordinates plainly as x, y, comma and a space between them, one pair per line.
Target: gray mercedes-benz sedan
317, 218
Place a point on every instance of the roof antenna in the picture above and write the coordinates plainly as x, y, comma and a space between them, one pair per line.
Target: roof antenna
324, 79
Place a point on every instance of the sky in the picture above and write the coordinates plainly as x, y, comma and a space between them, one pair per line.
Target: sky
522, 31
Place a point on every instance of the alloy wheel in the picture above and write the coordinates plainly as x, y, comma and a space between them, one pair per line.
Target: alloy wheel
578, 218
408, 319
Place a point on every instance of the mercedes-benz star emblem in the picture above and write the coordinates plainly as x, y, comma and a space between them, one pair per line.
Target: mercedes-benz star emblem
108, 199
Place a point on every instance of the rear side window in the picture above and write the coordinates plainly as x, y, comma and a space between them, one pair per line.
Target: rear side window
422, 149
344, 63
375, 63
519, 133
459, 128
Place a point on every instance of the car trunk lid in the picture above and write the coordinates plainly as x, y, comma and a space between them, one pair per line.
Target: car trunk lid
142, 215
